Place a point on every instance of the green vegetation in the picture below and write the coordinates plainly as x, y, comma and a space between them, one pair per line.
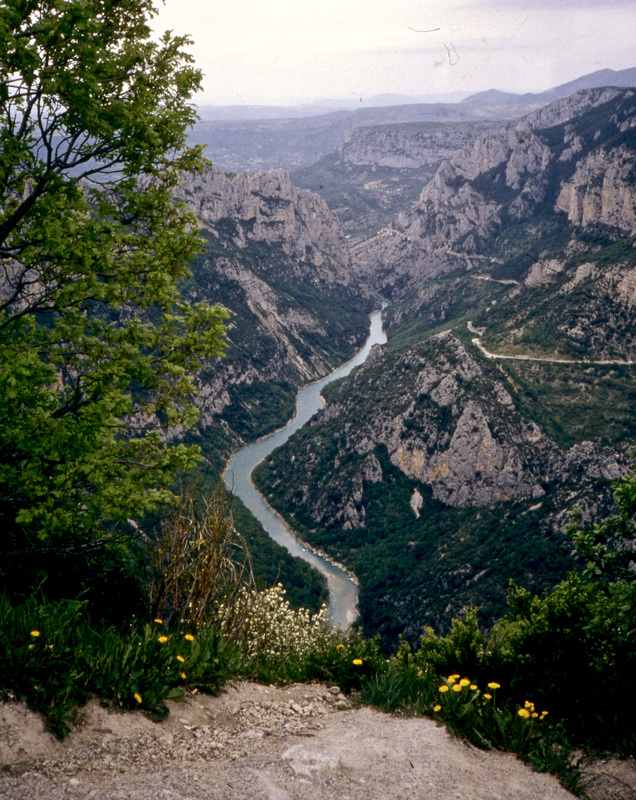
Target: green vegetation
574, 403
551, 675
417, 571
97, 347
119, 584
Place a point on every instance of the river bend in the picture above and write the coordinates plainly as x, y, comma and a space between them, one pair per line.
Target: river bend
343, 591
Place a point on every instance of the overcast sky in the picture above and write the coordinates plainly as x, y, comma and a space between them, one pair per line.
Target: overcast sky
272, 51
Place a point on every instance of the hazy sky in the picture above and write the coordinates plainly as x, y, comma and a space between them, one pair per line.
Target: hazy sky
270, 51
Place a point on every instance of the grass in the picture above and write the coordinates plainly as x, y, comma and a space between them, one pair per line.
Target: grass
54, 657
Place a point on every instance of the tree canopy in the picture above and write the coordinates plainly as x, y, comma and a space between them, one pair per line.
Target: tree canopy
97, 348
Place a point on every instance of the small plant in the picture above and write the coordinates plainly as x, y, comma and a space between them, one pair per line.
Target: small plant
197, 559
275, 640
53, 657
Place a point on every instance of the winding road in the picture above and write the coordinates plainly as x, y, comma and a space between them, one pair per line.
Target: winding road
477, 342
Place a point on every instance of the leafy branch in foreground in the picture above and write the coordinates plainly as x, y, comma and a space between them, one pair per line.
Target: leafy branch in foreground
97, 349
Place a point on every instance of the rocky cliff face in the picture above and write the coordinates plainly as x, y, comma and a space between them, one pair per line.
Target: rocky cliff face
379, 169
276, 258
267, 207
456, 469
406, 147
446, 419
573, 157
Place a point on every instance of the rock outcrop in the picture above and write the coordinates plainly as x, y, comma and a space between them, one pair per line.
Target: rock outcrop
276, 258
574, 157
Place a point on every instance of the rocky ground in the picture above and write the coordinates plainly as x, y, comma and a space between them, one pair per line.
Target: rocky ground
302, 742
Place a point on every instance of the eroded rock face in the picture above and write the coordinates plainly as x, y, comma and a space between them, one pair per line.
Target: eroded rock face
276, 258
551, 161
402, 147
602, 191
265, 206
440, 426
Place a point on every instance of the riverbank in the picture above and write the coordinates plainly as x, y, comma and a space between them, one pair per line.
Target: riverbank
343, 586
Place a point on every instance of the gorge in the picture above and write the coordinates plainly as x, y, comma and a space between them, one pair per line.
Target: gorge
435, 473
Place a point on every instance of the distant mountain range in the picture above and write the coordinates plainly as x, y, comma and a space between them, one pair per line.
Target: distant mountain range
248, 138
603, 77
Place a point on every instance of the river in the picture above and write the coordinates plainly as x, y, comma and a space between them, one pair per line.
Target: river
343, 591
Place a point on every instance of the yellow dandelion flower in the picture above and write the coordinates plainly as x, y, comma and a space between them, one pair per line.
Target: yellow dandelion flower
138, 697
437, 707
340, 647
357, 661
189, 637
528, 705
534, 715
158, 621
181, 659
544, 714
524, 713
443, 688
455, 676
473, 686
457, 687
493, 685
162, 639
487, 696
464, 682
452, 678
35, 634
183, 676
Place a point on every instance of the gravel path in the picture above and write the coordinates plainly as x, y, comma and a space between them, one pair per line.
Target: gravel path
302, 742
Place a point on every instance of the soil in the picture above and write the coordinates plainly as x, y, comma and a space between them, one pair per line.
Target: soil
253, 742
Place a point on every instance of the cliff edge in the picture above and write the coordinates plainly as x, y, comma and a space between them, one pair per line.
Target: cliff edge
262, 743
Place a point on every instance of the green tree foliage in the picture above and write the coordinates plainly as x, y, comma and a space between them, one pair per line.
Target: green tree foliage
574, 647
97, 350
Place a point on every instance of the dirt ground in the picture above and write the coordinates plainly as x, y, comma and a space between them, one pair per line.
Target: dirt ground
302, 742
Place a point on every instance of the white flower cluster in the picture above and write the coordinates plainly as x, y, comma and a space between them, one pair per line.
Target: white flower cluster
268, 626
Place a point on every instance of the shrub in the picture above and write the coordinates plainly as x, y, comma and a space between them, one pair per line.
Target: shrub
197, 559
53, 657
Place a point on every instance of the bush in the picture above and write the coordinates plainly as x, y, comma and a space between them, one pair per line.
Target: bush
53, 657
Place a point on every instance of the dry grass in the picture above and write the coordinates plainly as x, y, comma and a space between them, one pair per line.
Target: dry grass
198, 560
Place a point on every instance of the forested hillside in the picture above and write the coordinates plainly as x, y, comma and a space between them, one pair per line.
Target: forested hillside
448, 465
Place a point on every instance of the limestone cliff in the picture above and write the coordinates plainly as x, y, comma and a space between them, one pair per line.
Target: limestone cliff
275, 257
405, 147
573, 158
266, 207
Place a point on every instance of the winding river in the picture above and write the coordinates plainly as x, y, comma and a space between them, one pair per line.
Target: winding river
343, 591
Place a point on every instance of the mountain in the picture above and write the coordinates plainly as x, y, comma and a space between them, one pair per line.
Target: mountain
275, 257
377, 170
448, 463
519, 190
247, 138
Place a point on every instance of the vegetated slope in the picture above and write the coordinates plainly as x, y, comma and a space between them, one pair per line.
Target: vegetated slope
378, 170
436, 473
275, 258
